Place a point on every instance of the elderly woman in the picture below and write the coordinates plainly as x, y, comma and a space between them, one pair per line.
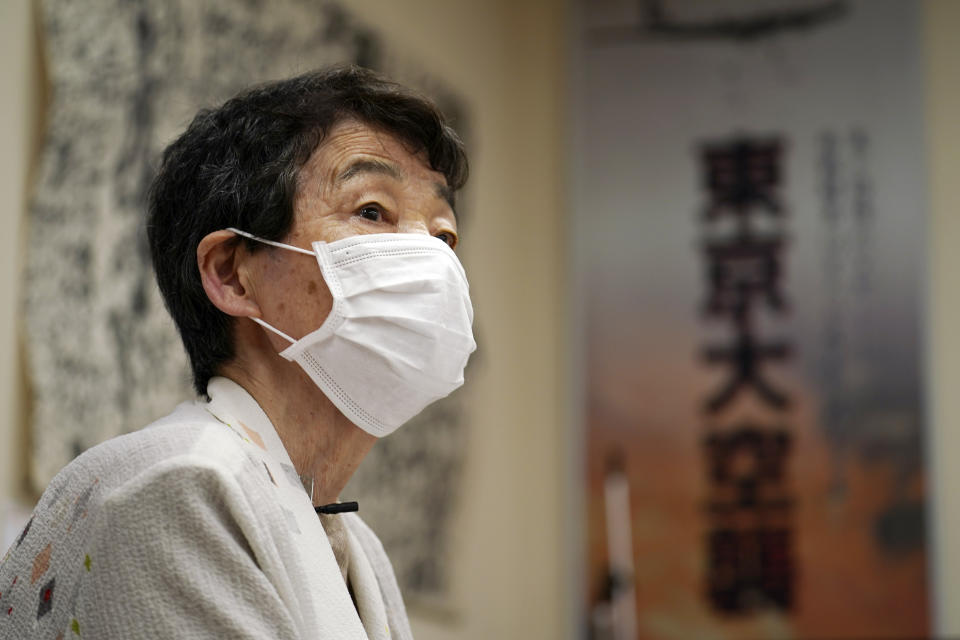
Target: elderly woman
302, 236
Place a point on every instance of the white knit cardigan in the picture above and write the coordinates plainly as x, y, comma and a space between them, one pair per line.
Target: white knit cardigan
196, 526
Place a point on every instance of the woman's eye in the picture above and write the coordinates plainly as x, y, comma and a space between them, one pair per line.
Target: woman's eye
371, 213
448, 237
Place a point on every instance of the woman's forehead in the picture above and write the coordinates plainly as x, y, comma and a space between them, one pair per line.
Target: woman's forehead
353, 150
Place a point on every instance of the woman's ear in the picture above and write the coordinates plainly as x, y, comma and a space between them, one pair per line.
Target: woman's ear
220, 259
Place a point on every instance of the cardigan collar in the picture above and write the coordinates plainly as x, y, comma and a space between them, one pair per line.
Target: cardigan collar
232, 405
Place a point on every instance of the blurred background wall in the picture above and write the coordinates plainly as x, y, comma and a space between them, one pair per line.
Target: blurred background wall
517, 572
941, 21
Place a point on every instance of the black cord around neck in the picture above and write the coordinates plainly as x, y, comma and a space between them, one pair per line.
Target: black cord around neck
337, 507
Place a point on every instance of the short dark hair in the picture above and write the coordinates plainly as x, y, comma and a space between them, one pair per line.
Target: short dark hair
237, 166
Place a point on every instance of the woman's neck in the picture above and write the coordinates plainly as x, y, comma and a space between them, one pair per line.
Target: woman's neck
321, 442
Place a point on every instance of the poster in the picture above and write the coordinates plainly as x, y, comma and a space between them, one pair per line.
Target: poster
748, 233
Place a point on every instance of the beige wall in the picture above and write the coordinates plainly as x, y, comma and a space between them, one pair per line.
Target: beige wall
20, 118
506, 59
942, 51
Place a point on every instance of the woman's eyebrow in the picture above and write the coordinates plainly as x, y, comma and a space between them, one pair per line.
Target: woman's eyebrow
369, 166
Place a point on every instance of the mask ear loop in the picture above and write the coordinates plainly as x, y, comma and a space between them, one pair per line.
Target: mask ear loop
270, 242
276, 331
282, 246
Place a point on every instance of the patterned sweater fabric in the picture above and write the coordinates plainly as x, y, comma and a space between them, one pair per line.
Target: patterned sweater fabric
196, 526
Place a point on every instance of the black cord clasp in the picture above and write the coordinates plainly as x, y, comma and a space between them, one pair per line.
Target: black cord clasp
337, 507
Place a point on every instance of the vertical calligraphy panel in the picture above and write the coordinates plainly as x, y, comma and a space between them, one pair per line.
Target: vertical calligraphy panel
747, 236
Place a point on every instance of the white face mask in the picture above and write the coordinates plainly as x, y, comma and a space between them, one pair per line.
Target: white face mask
400, 331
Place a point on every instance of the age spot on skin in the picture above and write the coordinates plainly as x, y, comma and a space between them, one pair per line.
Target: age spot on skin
312, 287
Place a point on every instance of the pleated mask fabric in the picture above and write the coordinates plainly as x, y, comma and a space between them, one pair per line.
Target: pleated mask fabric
400, 330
